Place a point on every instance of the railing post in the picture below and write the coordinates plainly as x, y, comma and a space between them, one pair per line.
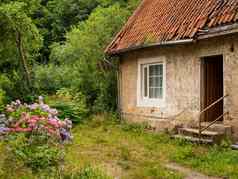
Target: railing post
200, 128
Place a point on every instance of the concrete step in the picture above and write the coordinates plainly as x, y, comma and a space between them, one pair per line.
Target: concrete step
194, 139
234, 146
218, 127
195, 133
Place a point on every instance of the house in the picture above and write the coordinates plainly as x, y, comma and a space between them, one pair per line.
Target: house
179, 66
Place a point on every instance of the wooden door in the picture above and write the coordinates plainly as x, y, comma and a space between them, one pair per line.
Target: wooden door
212, 79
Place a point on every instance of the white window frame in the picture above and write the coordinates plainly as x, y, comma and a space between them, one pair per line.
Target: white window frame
146, 101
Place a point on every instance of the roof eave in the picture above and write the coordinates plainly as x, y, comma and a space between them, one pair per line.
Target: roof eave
174, 42
204, 34
219, 31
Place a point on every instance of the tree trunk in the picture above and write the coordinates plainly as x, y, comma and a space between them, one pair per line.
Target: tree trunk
23, 58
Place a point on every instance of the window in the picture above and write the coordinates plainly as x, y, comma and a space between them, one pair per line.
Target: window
151, 82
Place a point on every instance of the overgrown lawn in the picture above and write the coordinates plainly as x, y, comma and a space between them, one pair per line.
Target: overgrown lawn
131, 151
103, 148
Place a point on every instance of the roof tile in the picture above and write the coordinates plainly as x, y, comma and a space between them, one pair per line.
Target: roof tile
165, 20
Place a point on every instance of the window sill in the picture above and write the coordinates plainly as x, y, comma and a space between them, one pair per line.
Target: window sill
151, 103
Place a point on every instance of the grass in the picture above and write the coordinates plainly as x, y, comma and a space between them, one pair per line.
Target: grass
128, 151
105, 149
124, 151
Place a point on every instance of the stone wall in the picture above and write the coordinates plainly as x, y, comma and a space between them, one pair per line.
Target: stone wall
182, 81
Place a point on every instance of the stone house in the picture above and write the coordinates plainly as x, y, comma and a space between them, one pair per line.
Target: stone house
177, 57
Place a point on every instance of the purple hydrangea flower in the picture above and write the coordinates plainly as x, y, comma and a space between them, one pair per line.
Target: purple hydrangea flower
65, 135
4, 130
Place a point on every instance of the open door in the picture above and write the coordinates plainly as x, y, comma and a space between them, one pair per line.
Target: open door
212, 86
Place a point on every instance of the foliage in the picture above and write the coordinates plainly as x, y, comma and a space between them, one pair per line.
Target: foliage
34, 135
6, 85
107, 147
20, 41
86, 41
55, 17
144, 155
87, 173
52, 44
15, 19
134, 127
51, 78
37, 152
36, 118
83, 51
214, 160
70, 105
2, 99
122, 154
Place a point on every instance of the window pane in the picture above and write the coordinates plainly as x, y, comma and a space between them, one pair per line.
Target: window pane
156, 70
152, 82
156, 93
160, 69
152, 93
160, 92
145, 82
156, 81
160, 81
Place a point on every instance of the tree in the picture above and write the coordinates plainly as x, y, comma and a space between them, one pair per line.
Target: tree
19, 34
84, 51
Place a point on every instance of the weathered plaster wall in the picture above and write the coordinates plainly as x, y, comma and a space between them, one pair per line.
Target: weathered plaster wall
182, 81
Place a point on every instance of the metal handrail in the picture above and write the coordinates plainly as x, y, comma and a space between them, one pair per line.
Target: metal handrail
211, 105
213, 122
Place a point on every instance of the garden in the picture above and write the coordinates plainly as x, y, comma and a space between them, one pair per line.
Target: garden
35, 143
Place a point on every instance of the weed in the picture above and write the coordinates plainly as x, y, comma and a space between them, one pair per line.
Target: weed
87, 173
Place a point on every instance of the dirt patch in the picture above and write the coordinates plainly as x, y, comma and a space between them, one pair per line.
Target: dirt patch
189, 173
113, 170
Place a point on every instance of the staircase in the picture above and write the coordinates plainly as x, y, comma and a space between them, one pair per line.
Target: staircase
210, 136
204, 132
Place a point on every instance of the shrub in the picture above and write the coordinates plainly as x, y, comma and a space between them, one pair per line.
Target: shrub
2, 99
35, 151
37, 117
34, 135
6, 86
5, 83
83, 54
70, 105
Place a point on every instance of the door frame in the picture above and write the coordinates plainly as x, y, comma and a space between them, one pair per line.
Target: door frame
202, 82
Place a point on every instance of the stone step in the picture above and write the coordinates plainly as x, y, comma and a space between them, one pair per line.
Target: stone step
194, 139
195, 132
234, 146
218, 127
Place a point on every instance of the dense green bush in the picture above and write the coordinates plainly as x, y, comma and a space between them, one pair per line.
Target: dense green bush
37, 152
7, 86
83, 53
50, 78
70, 104
2, 99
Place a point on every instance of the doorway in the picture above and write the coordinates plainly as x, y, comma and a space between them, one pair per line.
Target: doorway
212, 86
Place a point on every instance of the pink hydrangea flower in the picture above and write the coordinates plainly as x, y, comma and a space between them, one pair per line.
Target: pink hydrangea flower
51, 125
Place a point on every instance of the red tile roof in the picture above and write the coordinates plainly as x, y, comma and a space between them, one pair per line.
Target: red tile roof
167, 20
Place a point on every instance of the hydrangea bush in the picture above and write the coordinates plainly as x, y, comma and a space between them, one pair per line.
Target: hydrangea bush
37, 117
34, 134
